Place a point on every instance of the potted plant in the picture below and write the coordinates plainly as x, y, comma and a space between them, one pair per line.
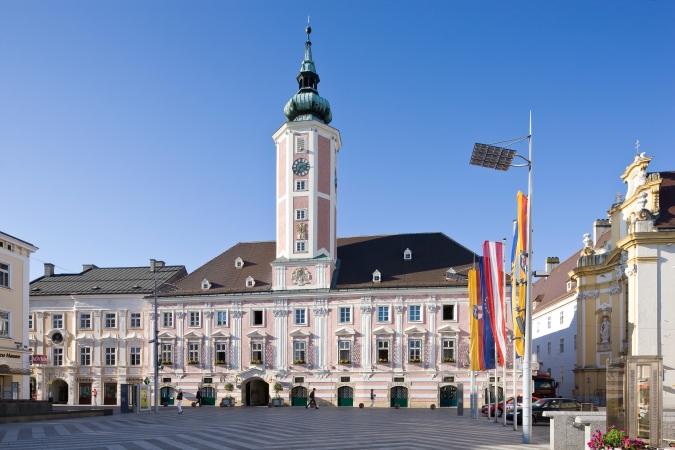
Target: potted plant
228, 400
220, 362
277, 400
344, 361
415, 360
193, 362
448, 360
614, 439
298, 361
383, 360
166, 362
256, 361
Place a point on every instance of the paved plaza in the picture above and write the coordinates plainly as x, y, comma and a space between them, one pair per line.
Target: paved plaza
243, 428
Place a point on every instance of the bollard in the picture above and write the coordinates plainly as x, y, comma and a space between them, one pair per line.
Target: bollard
460, 399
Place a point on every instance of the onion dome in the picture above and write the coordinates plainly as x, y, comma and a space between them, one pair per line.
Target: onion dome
307, 104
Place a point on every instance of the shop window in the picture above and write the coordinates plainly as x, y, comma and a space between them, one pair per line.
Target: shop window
415, 351
448, 350
110, 356
135, 356
57, 320
135, 320
167, 354
221, 353
111, 320
383, 352
85, 321
57, 356
299, 352
345, 352
193, 353
448, 313
256, 352
85, 356
167, 319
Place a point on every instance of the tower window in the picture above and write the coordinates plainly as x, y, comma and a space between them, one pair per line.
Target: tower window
300, 144
300, 214
300, 185
301, 246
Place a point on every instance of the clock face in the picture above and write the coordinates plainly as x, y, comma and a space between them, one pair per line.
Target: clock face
57, 338
301, 167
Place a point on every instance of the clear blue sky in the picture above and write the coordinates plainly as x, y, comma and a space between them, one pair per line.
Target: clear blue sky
132, 130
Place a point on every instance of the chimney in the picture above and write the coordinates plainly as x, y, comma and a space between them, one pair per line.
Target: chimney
86, 267
159, 264
154, 265
600, 226
551, 263
49, 269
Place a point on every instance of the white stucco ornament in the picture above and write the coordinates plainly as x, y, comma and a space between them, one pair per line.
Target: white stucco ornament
300, 276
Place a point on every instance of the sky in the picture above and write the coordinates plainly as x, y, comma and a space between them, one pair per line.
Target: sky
132, 130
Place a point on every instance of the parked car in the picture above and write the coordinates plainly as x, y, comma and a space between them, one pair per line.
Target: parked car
547, 404
500, 406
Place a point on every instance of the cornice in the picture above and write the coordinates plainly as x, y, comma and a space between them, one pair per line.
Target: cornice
634, 239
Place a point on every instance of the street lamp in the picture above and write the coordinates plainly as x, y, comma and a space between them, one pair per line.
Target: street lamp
501, 158
154, 341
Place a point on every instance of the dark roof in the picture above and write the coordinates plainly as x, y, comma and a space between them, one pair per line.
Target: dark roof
358, 257
107, 280
20, 240
666, 217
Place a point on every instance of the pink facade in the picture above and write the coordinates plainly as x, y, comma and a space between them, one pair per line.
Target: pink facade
324, 163
323, 230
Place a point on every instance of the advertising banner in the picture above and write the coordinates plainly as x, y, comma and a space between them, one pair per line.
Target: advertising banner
39, 359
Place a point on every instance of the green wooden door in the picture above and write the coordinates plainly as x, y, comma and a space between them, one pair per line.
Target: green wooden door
299, 396
208, 396
166, 395
500, 394
448, 396
399, 396
345, 396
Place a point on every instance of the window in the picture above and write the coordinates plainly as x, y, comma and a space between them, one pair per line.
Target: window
415, 351
135, 321
300, 246
135, 356
383, 351
407, 254
415, 313
448, 350
300, 214
548, 319
562, 374
57, 320
4, 324
345, 379
167, 319
258, 318
301, 317
206, 285
221, 353
195, 319
110, 320
448, 313
256, 352
85, 321
575, 342
167, 354
344, 352
562, 317
30, 321
377, 277
562, 345
549, 348
221, 318
250, 282
300, 144
110, 354
238, 263
383, 314
193, 353
537, 327
299, 380
4, 275
537, 350
345, 314
299, 351
300, 185
85, 356
57, 356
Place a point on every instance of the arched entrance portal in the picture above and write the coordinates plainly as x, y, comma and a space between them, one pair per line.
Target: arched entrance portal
59, 390
166, 395
345, 396
255, 392
447, 396
299, 396
399, 396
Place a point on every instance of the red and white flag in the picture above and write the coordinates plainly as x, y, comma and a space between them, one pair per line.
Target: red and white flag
493, 260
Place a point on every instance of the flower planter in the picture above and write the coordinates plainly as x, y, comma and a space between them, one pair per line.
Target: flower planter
227, 402
278, 401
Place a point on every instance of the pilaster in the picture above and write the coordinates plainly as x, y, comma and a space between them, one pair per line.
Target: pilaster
432, 308
366, 332
320, 331
179, 364
398, 317
208, 360
280, 334
97, 338
236, 314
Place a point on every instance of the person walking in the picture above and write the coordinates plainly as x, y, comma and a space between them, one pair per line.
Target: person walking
372, 398
179, 399
94, 393
311, 399
199, 397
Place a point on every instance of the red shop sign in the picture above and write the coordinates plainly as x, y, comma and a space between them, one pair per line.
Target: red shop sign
39, 359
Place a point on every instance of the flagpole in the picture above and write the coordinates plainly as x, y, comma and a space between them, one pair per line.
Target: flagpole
504, 315
496, 372
515, 379
527, 356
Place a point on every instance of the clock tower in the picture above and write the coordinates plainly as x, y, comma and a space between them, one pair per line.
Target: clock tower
306, 191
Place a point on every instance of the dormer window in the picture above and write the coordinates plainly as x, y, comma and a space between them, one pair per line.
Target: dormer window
377, 276
407, 254
570, 285
250, 282
205, 284
300, 144
451, 275
238, 263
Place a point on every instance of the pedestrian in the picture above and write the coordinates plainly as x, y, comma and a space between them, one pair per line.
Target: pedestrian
49, 395
372, 398
94, 393
179, 397
311, 399
199, 397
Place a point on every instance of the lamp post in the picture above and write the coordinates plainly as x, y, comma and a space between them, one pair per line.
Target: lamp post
153, 269
501, 158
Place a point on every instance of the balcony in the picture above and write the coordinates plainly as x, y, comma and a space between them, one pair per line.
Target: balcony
592, 260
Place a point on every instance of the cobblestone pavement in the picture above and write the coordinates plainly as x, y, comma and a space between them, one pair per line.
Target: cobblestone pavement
242, 428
